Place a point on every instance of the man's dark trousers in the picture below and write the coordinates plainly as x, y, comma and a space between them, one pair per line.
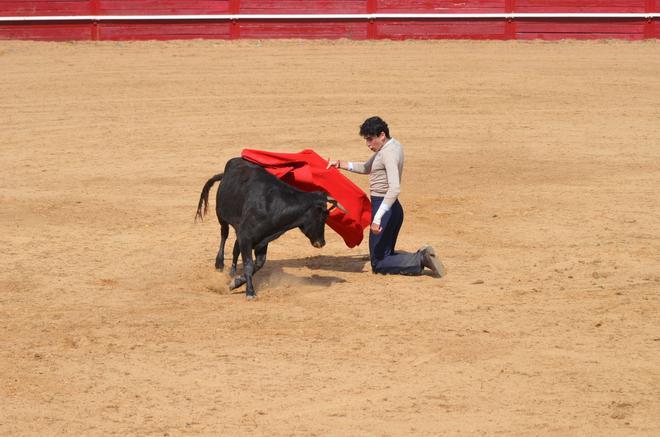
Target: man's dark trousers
381, 247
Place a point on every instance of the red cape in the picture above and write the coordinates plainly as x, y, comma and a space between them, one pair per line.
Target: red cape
307, 171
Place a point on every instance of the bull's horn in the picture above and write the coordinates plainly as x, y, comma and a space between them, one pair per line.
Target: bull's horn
337, 204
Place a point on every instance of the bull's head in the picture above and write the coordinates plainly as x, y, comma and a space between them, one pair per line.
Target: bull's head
313, 225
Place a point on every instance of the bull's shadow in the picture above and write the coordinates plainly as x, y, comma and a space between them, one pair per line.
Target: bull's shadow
347, 263
273, 274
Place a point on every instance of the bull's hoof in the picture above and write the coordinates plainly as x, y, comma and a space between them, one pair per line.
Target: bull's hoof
232, 271
219, 264
251, 296
233, 284
219, 269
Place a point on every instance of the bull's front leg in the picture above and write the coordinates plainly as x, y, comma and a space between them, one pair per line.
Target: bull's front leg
260, 253
248, 266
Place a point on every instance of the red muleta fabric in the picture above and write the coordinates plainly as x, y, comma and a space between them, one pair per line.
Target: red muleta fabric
307, 171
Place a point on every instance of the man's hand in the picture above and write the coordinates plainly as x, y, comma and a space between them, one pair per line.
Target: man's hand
334, 164
376, 229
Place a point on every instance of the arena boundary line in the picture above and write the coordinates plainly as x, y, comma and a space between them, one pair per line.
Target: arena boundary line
507, 24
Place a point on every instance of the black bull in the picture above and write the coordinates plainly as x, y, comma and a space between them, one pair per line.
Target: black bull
260, 208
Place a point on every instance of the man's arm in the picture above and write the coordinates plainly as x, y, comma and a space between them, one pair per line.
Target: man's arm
355, 167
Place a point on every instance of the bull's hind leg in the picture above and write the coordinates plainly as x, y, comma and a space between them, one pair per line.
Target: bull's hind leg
260, 254
234, 259
220, 257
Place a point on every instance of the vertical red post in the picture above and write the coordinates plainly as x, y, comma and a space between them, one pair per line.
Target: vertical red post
372, 31
649, 26
95, 9
510, 24
234, 25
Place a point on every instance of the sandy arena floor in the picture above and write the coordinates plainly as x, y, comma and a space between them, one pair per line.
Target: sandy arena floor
533, 168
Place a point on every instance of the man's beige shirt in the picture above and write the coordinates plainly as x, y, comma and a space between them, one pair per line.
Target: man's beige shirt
385, 168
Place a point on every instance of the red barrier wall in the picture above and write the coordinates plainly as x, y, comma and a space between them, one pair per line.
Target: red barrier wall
361, 28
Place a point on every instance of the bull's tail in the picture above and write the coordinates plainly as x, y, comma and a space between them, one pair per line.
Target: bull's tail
203, 204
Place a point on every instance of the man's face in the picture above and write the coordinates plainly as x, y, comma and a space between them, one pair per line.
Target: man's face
377, 142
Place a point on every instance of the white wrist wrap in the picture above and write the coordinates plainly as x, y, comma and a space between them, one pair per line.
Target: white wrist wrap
382, 209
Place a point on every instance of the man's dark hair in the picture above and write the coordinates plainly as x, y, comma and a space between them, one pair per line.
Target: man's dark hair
373, 126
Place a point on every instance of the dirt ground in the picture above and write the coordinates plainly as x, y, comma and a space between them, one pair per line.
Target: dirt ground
533, 168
